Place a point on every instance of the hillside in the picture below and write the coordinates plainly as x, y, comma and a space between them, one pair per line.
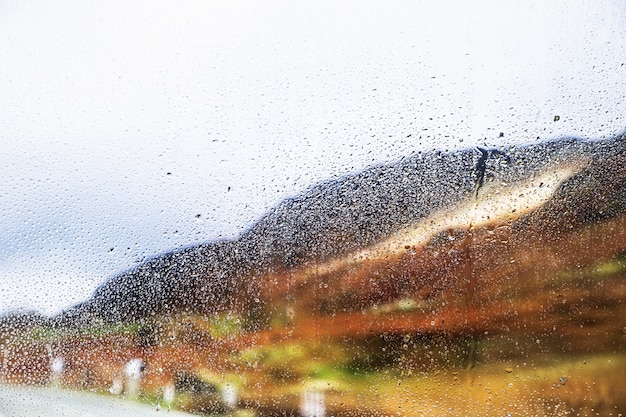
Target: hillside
482, 282
336, 218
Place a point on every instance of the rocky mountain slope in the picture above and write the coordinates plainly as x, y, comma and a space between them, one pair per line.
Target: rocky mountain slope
549, 186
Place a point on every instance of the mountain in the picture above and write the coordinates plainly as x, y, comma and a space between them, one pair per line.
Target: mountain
546, 187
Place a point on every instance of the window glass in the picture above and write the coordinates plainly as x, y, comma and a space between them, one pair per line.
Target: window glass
267, 208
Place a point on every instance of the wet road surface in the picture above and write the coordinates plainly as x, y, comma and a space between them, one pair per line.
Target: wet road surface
18, 401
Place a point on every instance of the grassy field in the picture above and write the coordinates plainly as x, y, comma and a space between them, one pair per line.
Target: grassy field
492, 322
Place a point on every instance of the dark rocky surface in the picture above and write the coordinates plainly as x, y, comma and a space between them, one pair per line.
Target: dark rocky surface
336, 217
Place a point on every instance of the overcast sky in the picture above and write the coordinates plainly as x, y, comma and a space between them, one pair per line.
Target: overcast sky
128, 128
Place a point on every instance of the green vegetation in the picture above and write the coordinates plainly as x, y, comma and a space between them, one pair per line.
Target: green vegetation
597, 271
225, 327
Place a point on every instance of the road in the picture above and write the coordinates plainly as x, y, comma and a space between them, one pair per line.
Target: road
27, 401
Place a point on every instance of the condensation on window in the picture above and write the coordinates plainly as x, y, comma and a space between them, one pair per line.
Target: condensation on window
313, 209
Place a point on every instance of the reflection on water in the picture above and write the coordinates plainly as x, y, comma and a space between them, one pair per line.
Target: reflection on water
509, 300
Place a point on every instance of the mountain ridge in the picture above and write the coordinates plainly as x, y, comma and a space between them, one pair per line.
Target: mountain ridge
336, 217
